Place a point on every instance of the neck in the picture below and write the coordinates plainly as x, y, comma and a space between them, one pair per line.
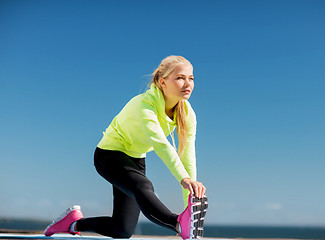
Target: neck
170, 108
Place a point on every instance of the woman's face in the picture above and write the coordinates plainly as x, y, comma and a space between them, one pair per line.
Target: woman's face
179, 84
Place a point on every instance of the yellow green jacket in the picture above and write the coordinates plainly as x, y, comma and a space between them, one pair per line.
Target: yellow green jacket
143, 126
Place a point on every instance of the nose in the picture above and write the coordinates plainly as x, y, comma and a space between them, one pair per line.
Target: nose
187, 81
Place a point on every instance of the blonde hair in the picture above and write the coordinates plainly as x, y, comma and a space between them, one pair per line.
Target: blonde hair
166, 67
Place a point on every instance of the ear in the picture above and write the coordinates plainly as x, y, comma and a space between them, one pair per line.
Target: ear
162, 82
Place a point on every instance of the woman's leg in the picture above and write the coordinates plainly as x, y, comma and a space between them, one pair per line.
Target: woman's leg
128, 175
121, 224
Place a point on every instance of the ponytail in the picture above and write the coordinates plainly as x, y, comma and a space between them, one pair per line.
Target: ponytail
181, 126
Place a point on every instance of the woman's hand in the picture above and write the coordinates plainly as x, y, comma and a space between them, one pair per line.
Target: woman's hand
194, 187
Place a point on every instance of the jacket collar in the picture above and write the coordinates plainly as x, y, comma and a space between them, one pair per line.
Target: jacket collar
159, 99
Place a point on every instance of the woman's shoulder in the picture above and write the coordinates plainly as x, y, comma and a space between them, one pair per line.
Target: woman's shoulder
190, 113
188, 107
152, 99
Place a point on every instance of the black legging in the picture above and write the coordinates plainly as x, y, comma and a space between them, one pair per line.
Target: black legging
132, 191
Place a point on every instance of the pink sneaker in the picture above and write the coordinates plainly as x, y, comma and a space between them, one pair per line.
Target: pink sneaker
62, 223
192, 219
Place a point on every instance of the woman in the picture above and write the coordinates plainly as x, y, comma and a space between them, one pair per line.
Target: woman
142, 126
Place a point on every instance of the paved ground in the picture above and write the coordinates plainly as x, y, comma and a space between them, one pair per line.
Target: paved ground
10, 234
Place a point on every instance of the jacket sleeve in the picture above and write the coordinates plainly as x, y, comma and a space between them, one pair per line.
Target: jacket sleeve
151, 127
188, 157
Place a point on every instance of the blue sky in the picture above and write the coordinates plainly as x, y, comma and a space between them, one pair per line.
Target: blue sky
68, 67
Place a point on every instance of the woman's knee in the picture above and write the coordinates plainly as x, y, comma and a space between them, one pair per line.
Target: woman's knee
124, 235
123, 232
144, 185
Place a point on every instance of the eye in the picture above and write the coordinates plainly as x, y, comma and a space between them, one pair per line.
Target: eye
179, 78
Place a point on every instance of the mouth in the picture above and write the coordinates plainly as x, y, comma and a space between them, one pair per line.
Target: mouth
187, 91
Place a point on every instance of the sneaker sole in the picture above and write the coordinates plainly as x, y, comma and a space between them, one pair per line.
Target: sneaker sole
198, 212
63, 215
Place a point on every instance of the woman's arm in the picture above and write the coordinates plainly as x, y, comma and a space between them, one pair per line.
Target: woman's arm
188, 156
189, 159
151, 127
